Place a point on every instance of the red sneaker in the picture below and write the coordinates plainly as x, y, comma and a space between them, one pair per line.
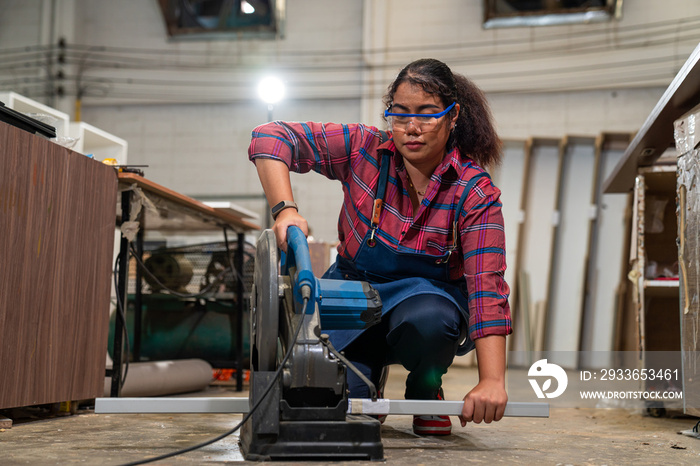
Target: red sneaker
433, 425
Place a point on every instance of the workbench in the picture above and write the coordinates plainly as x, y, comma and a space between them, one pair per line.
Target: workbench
144, 205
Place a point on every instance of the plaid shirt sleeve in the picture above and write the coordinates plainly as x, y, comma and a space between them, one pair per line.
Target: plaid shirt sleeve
483, 246
326, 148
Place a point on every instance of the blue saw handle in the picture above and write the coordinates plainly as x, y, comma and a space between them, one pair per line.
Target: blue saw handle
342, 304
299, 257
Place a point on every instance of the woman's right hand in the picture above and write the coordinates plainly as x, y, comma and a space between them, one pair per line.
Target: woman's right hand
285, 219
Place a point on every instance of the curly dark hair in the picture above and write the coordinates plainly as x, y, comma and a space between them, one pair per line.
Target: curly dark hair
474, 134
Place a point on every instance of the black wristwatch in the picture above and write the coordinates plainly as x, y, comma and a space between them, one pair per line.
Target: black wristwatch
281, 206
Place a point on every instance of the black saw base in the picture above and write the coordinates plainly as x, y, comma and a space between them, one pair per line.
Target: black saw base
356, 438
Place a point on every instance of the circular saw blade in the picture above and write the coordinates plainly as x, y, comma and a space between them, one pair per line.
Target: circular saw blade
264, 318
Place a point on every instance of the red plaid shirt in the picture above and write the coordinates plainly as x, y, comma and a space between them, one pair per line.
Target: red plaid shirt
349, 153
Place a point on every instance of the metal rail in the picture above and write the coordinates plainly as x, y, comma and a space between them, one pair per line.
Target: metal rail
235, 405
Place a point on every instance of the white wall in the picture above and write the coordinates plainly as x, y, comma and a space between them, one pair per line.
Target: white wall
202, 150
539, 80
582, 113
21, 22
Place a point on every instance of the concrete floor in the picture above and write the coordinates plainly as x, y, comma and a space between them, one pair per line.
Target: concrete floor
568, 436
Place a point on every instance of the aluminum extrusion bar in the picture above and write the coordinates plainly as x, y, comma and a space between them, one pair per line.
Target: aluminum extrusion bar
147, 405
438, 408
355, 406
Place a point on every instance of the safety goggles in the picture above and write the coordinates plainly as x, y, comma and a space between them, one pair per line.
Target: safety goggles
424, 121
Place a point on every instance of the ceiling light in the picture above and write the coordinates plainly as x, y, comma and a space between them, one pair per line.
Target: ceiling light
271, 90
247, 8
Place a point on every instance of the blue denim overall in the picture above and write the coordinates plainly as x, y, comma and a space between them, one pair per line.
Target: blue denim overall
419, 288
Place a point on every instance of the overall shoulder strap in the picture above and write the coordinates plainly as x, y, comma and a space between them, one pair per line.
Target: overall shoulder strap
467, 190
460, 206
384, 136
381, 186
383, 178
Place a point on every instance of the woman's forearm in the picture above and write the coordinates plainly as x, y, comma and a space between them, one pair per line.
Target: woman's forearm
274, 177
491, 357
275, 180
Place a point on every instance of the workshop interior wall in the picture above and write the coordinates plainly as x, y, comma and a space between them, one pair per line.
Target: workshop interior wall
204, 152
194, 139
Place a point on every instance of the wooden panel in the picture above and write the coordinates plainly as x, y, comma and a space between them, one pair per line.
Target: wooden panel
510, 179
543, 162
606, 274
565, 297
57, 223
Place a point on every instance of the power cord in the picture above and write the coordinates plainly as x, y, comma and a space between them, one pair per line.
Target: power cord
121, 315
325, 340
201, 293
277, 375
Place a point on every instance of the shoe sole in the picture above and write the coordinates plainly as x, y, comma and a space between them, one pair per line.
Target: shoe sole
433, 431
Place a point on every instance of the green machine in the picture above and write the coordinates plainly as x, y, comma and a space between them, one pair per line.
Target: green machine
181, 304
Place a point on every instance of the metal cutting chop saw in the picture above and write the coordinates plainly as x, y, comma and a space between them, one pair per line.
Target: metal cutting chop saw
303, 398
298, 407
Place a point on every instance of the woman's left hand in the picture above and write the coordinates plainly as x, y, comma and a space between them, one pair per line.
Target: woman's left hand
485, 402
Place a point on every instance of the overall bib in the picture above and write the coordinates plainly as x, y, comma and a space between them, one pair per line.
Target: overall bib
427, 302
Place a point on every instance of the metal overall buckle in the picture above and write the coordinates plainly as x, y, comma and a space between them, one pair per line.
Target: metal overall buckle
371, 242
452, 249
445, 260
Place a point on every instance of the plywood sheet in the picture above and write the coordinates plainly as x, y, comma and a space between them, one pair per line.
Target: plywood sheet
567, 278
510, 179
536, 235
607, 262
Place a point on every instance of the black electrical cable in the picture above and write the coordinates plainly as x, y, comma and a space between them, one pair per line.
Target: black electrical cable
461, 56
470, 58
278, 373
239, 275
372, 388
590, 30
129, 57
121, 315
121, 311
227, 84
593, 39
204, 291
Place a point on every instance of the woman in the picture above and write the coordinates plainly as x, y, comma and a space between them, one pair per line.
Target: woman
422, 222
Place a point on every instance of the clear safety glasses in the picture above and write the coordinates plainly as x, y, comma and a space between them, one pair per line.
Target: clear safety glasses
423, 121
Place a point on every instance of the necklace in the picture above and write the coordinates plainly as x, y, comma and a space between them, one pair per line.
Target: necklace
410, 183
